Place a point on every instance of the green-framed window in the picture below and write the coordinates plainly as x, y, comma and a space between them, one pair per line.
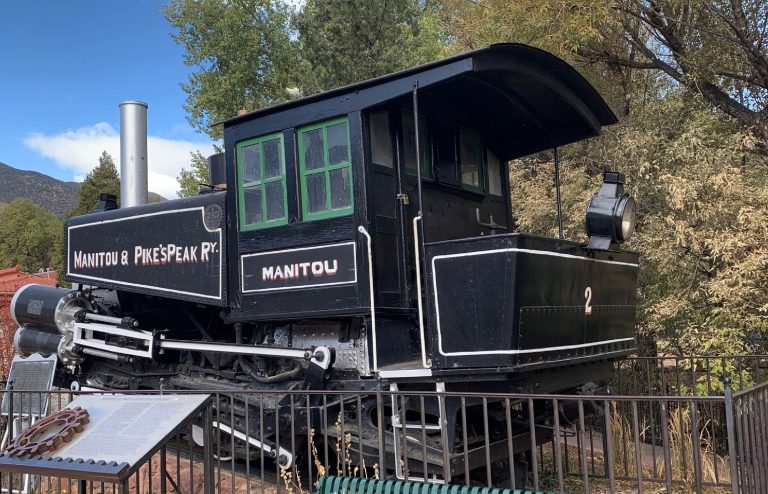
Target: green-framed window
409, 144
471, 160
326, 170
261, 182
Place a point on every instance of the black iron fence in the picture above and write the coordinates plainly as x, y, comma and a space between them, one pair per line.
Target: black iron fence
684, 376
653, 440
748, 438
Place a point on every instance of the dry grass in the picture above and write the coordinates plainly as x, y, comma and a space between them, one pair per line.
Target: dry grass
682, 440
345, 465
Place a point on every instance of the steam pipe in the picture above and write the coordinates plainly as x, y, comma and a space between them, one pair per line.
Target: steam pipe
276, 378
133, 154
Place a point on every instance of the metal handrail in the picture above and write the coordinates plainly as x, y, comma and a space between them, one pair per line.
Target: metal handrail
416, 252
372, 295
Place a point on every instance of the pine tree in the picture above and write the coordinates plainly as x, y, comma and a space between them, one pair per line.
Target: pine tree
103, 178
190, 180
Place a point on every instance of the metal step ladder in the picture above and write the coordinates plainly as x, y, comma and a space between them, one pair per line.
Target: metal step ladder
405, 432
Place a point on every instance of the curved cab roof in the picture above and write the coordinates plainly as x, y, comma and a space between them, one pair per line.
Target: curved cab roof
521, 98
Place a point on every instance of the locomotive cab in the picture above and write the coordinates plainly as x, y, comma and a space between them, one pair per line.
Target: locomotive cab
319, 178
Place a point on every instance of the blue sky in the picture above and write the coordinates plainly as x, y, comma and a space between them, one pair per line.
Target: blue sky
64, 68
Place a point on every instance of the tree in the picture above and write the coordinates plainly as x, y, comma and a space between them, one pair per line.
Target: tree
243, 56
716, 49
352, 40
30, 237
558, 26
190, 180
103, 178
255, 53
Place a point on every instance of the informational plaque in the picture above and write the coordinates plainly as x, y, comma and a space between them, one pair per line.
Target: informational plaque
126, 428
31, 379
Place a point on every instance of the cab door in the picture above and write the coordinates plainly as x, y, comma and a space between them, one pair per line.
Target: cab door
390, 210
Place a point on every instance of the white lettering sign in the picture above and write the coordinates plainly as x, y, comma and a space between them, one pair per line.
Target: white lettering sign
146, 256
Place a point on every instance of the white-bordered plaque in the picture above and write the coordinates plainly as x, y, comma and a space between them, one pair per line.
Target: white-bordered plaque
126, 428
31, 378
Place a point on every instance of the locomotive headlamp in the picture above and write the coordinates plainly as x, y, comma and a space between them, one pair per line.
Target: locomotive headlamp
611, 213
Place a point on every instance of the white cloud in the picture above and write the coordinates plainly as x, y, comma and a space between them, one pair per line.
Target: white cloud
79, 151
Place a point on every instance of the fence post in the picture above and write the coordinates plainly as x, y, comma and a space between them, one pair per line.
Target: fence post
382, 434
443, 417
208, 448
731, 428
12, 429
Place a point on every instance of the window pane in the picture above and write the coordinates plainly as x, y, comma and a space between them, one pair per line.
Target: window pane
313, 149
251, 165
338, 145
471, 165
272, 159
445, 150
409, 144
326, 193
340, 188
275, 203
261, 182
494, 174
316, 192
252, 199
381, 139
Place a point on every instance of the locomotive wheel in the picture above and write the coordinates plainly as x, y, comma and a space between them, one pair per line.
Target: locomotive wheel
48, 434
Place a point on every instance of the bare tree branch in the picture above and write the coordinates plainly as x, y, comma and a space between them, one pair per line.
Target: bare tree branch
674, 36
744, 37
742, 77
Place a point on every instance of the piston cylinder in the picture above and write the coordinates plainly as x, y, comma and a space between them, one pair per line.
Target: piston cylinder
29, 341
47, 308
46, 315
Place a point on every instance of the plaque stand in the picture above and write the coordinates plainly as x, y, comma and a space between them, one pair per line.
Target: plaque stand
113, 446
33, 377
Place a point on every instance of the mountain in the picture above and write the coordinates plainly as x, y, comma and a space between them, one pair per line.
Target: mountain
53, 195
154, 197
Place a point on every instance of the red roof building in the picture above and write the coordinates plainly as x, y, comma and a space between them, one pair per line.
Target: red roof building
11, 279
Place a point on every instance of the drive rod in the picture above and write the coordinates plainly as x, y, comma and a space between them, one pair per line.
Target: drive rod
262, 351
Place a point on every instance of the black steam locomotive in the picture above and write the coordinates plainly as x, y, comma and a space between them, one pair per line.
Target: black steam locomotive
357, 239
